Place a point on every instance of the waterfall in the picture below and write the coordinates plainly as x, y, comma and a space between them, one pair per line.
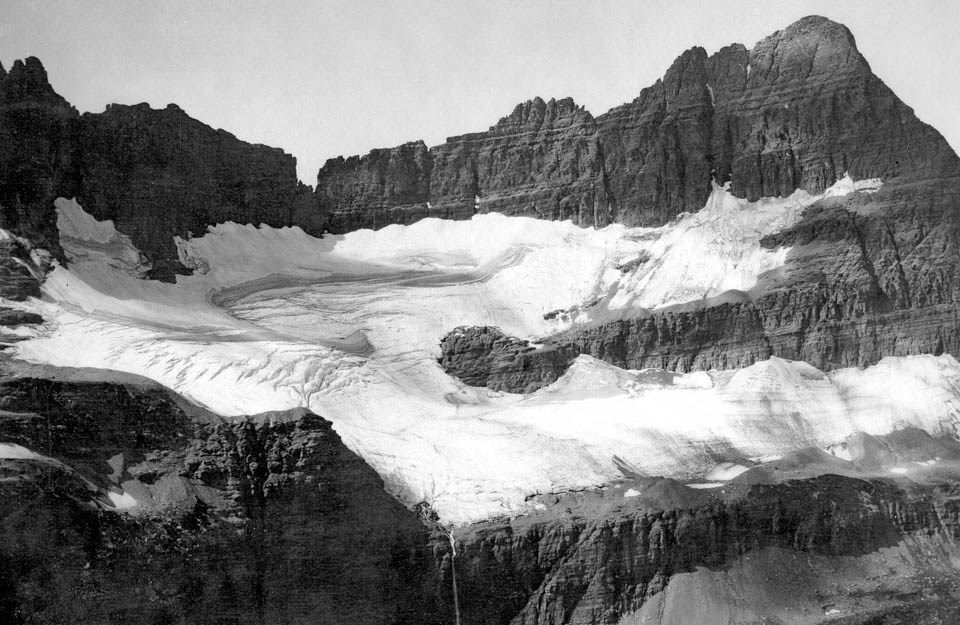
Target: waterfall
453, 575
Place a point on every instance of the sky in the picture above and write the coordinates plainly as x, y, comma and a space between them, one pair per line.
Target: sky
340, 77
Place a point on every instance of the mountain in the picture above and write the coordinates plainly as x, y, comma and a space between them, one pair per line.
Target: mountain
734, 399
798, 111
865, 278
156, 173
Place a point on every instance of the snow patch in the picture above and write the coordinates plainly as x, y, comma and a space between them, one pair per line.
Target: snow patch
12, 451
724, 472
84, 239
122, 501
631, 492
717, 249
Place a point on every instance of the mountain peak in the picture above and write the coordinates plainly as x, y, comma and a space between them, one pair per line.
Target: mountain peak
811, 46
27, 82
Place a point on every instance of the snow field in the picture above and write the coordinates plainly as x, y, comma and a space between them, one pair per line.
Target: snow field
349, 326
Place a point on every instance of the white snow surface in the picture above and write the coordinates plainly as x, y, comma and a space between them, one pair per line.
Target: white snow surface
724, 472
122, 501
349, 326
717, 249
11, 451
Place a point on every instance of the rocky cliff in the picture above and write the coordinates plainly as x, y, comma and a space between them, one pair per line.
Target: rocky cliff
156, 173
542, 160
796, 112
124, 503
868, 275
592, 562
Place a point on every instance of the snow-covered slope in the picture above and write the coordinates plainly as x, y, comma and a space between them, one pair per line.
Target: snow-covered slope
349, 326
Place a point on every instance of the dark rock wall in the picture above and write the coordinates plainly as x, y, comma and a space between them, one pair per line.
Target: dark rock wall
160, 173
543, 160
267, 519
796, 112
485, 356
156, 173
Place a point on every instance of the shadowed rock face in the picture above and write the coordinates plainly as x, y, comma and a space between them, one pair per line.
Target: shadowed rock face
160, 173
156, 173
265, 519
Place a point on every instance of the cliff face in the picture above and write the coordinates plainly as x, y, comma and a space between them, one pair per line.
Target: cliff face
600, 568
160, 174
867, 275
156, 173
543, 160
264, 519
796, 112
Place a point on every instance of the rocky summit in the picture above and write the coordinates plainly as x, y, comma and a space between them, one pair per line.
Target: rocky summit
692, 360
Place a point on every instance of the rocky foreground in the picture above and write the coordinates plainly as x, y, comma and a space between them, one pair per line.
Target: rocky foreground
125, 503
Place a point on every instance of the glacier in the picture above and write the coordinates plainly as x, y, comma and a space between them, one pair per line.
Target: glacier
349, 326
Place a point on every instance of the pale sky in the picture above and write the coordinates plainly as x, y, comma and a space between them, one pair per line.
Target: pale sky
339, 77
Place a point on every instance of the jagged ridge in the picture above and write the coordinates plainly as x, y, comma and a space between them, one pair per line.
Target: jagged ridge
796, 112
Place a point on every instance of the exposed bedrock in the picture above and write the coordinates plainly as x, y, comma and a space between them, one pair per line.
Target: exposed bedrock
266, 519
485, 356
595, 569
796, 112
157, 173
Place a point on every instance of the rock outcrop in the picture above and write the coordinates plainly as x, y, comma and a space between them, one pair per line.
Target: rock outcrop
124, 503
156, 173
486, 356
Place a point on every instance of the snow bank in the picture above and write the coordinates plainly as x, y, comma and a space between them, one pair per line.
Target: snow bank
16, 452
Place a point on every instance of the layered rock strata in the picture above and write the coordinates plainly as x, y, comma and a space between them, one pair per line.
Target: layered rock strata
796, 112
124, 502
542, 160
866, 277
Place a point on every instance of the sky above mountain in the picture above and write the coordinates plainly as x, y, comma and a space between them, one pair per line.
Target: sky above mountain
339, 77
